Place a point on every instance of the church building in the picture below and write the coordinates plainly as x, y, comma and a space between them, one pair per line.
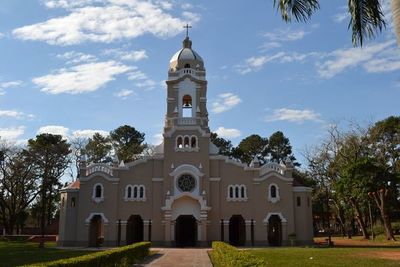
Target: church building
186, 194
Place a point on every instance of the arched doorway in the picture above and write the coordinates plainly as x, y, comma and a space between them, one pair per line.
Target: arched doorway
134, 229
186, 231
274, 230
96, 231
237, 231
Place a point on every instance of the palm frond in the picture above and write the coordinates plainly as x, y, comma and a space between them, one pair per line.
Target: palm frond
366, 20
396, 18
301, 10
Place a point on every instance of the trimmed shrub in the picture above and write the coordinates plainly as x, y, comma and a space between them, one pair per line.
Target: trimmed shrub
224, 255
123, 256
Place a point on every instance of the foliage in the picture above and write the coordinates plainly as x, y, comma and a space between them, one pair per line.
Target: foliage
123, 256
225, 146
250, 147
366, 17
279, 148
224, 255
18, 186
127, 142
98, 149
50, 154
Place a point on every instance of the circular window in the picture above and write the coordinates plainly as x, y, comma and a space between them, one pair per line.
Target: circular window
186, 183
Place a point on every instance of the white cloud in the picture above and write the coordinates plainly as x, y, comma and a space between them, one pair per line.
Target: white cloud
10, 84
253, 64
285, 35
105, 21
1, 35
293, 115
88, 133
73, 57
136, 74
157, 139
228, 133
11, 113
370, 57
134, 55
11, 133
225, 102
54, 129
340, 17
186, 6
124, 93
80, 79
147, 84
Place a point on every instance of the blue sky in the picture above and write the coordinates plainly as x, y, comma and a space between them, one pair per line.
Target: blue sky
74, 67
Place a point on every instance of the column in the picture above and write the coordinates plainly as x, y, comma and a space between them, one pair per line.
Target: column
248, 232
284, 233
146, 230
167, 223
226, 231
172, 231
123, 232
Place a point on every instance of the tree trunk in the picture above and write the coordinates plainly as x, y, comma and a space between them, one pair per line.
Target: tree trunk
359, 218
380, 200
396, 18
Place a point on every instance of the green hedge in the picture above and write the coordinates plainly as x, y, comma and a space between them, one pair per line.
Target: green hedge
123, 256
224, 255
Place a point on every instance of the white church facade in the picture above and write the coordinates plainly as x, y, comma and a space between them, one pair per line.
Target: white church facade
186, 194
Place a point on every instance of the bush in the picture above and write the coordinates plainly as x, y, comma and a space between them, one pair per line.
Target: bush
224, 255
378, 229
123, 256
396, 228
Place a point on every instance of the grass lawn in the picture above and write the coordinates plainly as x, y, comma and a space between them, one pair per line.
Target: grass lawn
19, 253
326, 256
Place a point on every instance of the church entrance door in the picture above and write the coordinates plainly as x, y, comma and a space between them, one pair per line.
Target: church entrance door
186, 231
237, 231
134, 229
96, 231
274, 231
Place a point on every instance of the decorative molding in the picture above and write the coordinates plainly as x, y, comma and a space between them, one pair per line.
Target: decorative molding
272, 174
214, 179
99, 174
157, 179
92, 214
266, 219
186, 168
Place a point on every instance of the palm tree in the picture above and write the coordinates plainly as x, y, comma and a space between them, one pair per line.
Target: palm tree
366, 16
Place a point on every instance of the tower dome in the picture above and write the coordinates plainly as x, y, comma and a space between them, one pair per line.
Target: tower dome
186, 58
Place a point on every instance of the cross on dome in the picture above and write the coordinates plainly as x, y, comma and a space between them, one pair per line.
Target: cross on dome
187, 26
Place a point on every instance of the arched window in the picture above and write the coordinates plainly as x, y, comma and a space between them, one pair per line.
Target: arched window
141, 191
193, 142
273, 191
242, 193
187, 66
186, 141
129, 192
99, 192
135, 192
179, 142
231, 191
237, 192
187, 106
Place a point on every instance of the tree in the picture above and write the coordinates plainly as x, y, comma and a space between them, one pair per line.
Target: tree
127, 142
78, 145
250, 147
366, 17
279, 148
98, 148
50, 154
224, 146
18, 186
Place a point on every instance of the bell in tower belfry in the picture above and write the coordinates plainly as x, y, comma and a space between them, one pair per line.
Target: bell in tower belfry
186, 89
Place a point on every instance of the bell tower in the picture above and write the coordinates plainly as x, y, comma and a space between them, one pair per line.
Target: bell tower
187, 90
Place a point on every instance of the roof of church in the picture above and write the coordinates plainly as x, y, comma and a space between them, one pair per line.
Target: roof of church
74, 185
186, 53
